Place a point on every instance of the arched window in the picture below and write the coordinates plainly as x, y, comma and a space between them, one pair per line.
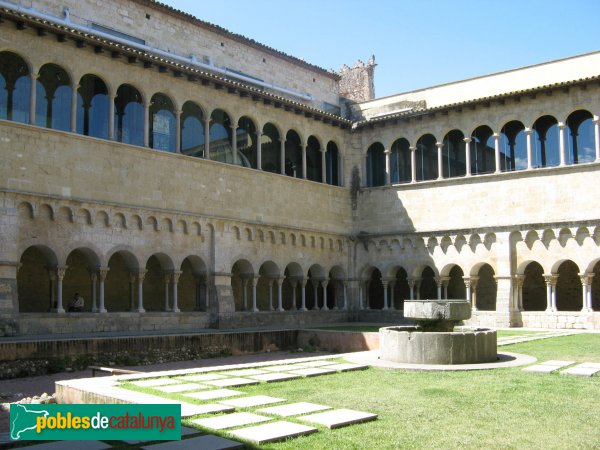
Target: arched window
426, 156
313, 159
400, 162
453, 154
129, 115
53, 98
545, 143
162, 123
270, 149
246, 142
293, 155
332, 164
375, 165
192, 130
483, 159
580, 140
15, 88
92, 107
513, 147
220, 137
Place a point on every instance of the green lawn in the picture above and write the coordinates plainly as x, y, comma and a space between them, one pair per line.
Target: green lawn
503, 408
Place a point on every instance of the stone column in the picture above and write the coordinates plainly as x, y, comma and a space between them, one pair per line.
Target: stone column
388, 173
74, 89
304, 160
282, 156
93, 277
468, 156
361, 294
445, 281
411, 286
270, 283
550, 292
315, 284
258, 150
52, 288
474, 281
294, 283
245, 293
586, 282
280, 293
234, 153
597, 137
146, 124
303, 293
440, 159
207, 138
528, 137
254, 281
553, 281
111, 116
519, 281
323, 166
438, 283
392, 288
385, 284
33, 98
102, 273
413, 164
418, 287
132, 278
174, 280
561, 143
345, 283
60, 274
467, 282
167, 278
497, 152
178, 131
140, 290
324, 284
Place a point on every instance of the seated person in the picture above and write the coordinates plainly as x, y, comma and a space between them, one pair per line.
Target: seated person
76, 304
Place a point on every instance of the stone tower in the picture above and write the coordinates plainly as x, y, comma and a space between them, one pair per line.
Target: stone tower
357, 83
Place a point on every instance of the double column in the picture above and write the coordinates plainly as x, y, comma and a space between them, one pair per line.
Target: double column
550, 281
171, 280
471, 286
586, 282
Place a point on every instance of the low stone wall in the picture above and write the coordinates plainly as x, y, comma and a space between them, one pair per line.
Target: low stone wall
283, 318
537, 319
338, 341
69, 323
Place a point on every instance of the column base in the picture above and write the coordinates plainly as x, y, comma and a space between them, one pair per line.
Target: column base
324, 308
140, 310
255, 310
280, 309
58, 310
101, 311
303, 309
176, 310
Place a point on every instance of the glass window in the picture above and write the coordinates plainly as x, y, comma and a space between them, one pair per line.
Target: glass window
192, 130
15, 88
53, 98
92, 107
129, 115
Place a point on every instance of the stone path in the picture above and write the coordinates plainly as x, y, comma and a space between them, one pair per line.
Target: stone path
586, 369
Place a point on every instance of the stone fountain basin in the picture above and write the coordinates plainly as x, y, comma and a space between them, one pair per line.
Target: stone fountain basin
408, 344
452, 310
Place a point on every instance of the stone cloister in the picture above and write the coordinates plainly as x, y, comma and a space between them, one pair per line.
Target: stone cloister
238, 188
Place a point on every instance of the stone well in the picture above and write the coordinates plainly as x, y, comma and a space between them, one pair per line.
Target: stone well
433, 340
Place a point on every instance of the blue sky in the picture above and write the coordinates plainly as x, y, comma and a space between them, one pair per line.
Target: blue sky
416, 43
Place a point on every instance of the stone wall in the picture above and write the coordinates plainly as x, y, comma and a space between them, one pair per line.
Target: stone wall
358, 82
164, 29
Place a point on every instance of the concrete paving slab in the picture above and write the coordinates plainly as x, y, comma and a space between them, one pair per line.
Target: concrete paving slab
283, 368
245, 372
172, 388
345, 367
312, 371
274, 376
208, 442
591, 365
71, 445
322, 362
581, 371
211, 395
542, 368
255, 400
209, 408
231, 420
272, 432
293, 409
155, 382
230, 382
338, 418
203, 377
